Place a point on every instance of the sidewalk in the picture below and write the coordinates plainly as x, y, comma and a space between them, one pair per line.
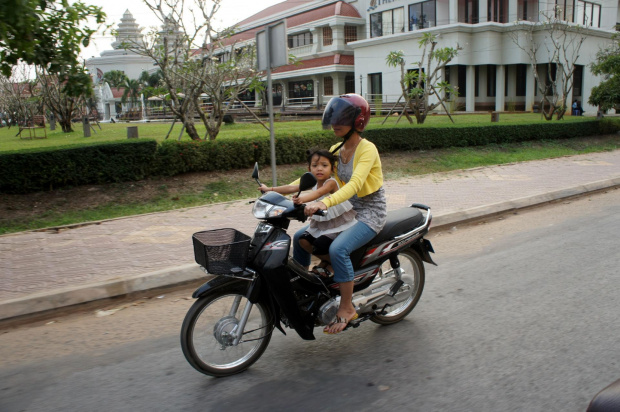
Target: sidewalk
55, 268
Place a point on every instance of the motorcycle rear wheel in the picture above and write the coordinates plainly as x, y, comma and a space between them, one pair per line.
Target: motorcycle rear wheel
413, 276
205, 334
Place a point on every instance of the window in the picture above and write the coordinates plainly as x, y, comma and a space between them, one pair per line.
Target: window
468, 11
376, 84
521, 79
387, 22
564, 9
527, 10
588, 14
328, 38
298, 40
498, 11
328, 86
301, 89
414, 80
350, 33
447, 79
422, 15
578, 80
462, 80
491, 80
349, 84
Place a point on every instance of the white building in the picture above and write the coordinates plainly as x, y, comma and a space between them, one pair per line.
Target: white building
342, 47
120, 59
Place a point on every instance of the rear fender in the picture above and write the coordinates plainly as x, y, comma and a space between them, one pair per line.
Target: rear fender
424, 249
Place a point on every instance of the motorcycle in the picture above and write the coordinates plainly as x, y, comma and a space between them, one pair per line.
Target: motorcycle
259, 288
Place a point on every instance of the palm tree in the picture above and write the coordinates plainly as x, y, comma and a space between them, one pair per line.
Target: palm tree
132, 91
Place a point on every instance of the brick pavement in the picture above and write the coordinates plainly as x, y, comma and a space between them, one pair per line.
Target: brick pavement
34, 262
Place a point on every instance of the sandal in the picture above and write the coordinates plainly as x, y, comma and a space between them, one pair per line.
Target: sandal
340, 320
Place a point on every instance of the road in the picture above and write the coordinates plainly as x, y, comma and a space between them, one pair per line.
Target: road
520, 315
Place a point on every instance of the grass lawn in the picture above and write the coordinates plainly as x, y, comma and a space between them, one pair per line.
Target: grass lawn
156, 130
98, 202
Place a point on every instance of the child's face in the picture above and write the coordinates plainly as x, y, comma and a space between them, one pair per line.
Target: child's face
320, 167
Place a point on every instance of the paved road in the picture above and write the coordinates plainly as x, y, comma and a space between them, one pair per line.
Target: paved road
43, 270
521, 315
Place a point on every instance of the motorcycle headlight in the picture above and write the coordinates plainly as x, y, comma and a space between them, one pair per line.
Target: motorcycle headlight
264, 210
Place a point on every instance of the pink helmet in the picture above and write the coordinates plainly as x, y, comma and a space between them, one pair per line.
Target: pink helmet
347, 110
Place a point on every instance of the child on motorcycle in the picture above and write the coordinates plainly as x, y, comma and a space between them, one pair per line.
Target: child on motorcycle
322, 230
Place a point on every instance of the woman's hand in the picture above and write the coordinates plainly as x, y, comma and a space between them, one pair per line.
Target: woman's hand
311, 208
297, 200
263, 188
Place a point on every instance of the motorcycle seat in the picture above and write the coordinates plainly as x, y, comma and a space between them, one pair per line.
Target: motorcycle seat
398, 222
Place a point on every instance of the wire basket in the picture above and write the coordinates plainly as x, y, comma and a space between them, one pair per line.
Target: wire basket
221, 251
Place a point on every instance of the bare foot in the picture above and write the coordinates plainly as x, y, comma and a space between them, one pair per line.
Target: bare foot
343, 317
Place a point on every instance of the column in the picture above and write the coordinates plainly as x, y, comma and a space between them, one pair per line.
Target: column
500, 87
317, 39
453, 11
338, 36
470, 84
483, 11
530, 92
512, 11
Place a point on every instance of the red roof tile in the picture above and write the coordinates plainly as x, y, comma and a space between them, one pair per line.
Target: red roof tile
335, 9
346, 60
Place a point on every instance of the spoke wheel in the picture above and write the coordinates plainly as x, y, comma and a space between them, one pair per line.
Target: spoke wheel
208, 334
413, 278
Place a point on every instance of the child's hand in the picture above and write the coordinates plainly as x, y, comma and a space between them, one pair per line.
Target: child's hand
263, 188
297, 200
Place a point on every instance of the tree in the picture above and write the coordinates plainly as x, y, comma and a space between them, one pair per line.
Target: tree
561, 42
194, 63
115, 78
60, 98
607, 64
419, 84
131, 92
17, 103
48, 34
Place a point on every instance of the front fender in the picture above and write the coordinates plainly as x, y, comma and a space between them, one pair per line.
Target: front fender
249, 287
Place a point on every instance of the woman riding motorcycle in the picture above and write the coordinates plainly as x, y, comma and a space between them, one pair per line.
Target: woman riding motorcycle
359, 174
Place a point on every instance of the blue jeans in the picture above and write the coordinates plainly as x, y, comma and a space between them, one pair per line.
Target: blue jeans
339, 251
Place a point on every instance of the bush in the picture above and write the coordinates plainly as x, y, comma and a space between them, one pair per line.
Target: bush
404, 139
174, 157
32, 171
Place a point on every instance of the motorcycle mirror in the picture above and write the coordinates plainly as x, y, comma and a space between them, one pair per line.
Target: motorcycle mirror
306, 182
255, 173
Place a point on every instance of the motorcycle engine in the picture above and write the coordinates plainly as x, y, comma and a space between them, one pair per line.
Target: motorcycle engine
327, 312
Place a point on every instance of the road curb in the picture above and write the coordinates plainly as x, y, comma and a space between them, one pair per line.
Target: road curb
62, 298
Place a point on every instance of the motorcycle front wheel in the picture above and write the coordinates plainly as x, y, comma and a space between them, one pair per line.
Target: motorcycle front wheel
413, 277
207, 335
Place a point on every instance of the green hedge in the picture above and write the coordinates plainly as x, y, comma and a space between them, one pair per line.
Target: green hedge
174, 157
405, 139
31, 171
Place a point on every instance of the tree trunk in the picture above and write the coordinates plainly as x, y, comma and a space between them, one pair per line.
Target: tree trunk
66, 125
190, 129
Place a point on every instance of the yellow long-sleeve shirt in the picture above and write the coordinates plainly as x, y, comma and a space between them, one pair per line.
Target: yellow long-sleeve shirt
367, 175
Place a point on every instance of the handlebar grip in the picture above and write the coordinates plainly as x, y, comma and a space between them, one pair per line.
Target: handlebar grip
320, 212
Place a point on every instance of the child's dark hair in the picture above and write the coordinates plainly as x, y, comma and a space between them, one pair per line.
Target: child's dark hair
322, 153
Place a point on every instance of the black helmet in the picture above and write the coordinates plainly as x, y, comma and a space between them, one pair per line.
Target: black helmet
347, 110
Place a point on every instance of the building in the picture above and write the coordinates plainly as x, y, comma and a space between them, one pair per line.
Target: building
125, 60
342, 48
